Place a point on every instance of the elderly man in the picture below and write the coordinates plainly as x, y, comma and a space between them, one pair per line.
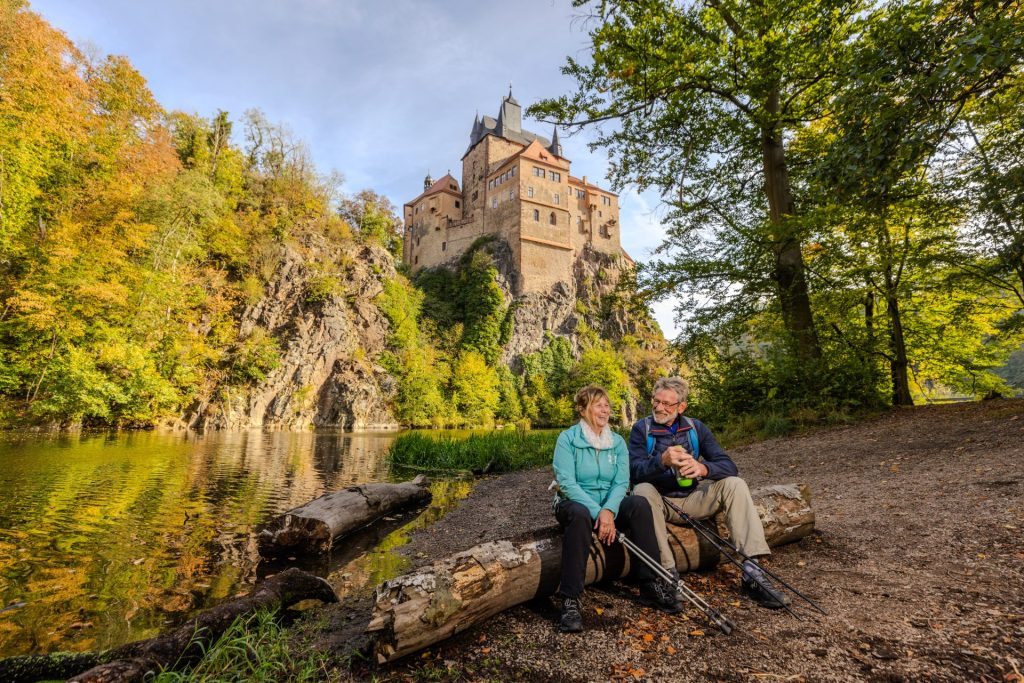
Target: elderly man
677, 457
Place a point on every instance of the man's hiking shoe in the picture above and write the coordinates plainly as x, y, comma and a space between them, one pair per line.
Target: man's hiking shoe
659, 594
571, 620
756, 585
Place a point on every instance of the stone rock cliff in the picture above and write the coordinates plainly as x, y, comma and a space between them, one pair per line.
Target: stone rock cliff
326, 376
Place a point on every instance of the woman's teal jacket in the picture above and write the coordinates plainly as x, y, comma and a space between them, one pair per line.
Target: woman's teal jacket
593, 478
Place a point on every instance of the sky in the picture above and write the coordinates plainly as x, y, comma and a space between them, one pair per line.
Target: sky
383, 91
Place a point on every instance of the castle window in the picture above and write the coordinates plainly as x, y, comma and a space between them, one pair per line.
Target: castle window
476, 194
513, 171
538, 171
607, 201
557, 177
457, 204
536, 214
529, 191
416, 260
490, 185
557, 199
579, 223
580, 194
437, 228
599, 214
511, 194
444, 246
494, 202
552, 220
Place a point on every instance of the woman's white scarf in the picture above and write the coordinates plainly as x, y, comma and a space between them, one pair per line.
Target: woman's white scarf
602, 441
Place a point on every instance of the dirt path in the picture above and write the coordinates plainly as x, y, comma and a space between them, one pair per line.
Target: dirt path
918, 556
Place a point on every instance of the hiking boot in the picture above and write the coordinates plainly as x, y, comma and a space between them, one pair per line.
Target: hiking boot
756, 585
660, 594
571, 620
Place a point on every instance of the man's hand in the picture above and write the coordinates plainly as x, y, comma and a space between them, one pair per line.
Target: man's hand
605, 526
674, 456
689, 468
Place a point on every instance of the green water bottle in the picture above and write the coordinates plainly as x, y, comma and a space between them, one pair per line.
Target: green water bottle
683, 482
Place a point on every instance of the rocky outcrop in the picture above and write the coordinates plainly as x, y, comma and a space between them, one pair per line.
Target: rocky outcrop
591, 296
598, 297
327, 340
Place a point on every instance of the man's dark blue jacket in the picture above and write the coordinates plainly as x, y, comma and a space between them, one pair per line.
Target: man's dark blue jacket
646, 467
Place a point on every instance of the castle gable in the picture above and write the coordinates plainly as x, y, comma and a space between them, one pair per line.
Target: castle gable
446, 184
535, 151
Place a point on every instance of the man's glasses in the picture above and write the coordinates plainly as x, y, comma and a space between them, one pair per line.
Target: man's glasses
665, 404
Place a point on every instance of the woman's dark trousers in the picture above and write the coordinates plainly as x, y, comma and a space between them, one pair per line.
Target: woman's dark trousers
634, 519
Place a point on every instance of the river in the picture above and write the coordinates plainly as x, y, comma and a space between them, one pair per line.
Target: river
109, 538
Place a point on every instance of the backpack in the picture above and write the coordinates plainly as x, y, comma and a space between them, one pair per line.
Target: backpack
694, 444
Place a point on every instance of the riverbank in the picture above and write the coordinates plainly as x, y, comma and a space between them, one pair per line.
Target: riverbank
917, 555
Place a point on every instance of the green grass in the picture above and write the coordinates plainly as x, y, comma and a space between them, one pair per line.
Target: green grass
505, 451
254, 648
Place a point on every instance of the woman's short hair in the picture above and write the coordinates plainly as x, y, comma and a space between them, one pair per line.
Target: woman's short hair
676, 384
587, 395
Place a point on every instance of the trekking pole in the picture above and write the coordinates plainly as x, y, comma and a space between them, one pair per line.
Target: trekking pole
700, 603
716, 540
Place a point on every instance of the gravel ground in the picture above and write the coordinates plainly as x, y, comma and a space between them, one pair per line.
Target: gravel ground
917, 555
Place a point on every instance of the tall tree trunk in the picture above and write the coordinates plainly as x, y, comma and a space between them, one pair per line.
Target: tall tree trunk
898, 364
789, 269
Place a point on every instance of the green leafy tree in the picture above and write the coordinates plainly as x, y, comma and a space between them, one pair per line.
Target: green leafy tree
706, 98
373, 217
475, 389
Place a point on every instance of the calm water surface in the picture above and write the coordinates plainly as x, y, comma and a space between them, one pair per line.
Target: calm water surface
105, 539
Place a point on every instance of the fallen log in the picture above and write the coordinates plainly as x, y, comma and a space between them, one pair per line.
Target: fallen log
415, 610
312, 528
180, 647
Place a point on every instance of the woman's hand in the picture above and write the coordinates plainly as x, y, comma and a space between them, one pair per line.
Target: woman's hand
605, 526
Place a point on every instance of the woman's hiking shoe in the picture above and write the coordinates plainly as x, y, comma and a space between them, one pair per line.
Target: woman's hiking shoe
660, 594
756, 585
571, 620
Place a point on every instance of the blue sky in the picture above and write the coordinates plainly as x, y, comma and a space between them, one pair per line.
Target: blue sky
382, 91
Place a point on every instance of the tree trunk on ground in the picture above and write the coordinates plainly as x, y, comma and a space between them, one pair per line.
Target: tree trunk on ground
313, 527
180, 647
435, 602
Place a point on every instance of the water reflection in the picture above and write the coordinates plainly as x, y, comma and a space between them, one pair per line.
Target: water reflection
112, 538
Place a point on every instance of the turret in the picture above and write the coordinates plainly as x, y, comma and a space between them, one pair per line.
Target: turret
511, 114
556, 146
427, 182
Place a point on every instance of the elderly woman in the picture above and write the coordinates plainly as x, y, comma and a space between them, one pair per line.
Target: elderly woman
592, 470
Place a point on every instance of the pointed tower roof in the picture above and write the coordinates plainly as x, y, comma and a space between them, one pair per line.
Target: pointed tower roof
555, 147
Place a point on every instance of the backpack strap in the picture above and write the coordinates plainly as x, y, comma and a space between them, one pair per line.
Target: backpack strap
647, 434
694, 443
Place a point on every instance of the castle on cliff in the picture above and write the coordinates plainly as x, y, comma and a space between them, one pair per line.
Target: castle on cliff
516, 186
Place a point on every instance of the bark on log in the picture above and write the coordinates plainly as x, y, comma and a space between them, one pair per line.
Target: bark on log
415, 610
182, 646
313, 527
